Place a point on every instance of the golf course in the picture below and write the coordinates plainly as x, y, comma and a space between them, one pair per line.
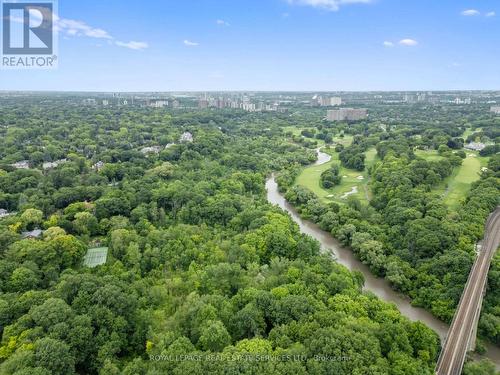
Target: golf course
354, 183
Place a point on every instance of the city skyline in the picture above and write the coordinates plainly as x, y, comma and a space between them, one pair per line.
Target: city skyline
276, 45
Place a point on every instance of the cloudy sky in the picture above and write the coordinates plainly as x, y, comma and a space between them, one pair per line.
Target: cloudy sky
172, 45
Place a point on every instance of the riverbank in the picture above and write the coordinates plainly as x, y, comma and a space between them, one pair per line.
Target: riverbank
379, 286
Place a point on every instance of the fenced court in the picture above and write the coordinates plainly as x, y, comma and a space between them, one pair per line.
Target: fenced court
96, 256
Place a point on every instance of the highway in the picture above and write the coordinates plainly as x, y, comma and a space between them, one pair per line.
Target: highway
461, 336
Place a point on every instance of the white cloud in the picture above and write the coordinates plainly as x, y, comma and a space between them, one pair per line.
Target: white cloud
71, 27
332, 5
491, 14
74, 28
190, 43
408, 42
471, 12
388, 44
133, 45
222, 23
79, 28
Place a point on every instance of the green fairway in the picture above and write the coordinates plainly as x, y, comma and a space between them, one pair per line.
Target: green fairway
346, 140
292, 129
455, 187
461, 179
354, 183
430, 155
470, 131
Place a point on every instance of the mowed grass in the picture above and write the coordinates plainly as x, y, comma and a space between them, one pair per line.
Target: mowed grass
470, 131
310, 178
292, 129
431, 155
461, 179
454, 189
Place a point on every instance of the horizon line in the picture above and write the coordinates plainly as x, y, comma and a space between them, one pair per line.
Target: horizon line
243, 90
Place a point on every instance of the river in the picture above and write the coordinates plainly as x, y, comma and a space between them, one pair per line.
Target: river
346, 257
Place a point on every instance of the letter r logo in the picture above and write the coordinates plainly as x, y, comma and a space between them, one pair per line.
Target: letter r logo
27, 28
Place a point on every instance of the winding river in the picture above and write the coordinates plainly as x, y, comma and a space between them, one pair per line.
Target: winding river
346, 257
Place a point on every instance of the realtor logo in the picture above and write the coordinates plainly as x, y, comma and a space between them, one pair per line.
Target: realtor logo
28, 39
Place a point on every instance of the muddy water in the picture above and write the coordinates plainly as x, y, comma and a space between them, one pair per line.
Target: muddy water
378, 286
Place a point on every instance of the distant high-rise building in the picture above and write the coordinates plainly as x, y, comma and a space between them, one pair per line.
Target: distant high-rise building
327, 101
462, 101
250, 107
335, 101
158, 103
346, 114
105, 103
89, 101
203, 104
409, 98
421, 97
221, 103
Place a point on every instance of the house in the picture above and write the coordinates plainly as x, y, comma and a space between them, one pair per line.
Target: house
23, 164
186, 137
4, 213
98, 166
53, 164
151, 150
475, 146
36, 233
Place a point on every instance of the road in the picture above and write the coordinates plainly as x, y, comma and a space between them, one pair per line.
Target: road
463, 327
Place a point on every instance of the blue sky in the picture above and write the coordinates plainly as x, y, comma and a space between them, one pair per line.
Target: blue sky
329, 45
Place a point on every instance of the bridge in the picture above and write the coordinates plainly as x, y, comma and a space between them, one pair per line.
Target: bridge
462, 334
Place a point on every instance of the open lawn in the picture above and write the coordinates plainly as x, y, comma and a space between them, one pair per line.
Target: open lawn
454, 188
293, 129
297, 132
430, 155
346, 140
470, 131
353, 182
461, 179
